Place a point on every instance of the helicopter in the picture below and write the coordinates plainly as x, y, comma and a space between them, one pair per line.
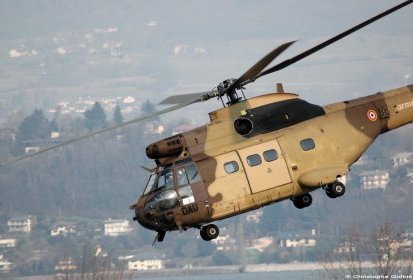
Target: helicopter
257, 151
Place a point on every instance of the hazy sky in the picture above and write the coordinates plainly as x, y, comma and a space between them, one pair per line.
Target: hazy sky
231, 34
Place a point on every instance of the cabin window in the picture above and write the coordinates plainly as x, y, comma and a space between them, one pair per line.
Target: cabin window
254, 160
231, 167
270, 155
307, 144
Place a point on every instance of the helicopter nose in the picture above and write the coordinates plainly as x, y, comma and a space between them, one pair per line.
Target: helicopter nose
145, 218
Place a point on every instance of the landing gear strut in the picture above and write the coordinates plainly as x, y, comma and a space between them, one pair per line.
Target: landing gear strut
302, 201
335, 189
209, 232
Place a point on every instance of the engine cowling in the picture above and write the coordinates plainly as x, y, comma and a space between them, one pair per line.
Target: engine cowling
168, 147
275, 116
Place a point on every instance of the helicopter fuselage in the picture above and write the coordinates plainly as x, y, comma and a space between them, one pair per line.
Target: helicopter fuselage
215, 172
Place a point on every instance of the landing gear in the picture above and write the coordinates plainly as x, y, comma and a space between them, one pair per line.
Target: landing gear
302, 201
335, 189
209, 232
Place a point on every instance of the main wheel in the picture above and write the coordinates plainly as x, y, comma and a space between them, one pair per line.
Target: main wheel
209, 232
203, 235
336, 189
330, 195
303, 201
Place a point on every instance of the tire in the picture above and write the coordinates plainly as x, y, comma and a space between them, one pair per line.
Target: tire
330, 195
203, 234
337, 189
211, 231
303, 201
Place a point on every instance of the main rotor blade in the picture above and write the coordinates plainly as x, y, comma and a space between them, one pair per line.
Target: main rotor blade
334, 39
77, 139
251, 73
183, 98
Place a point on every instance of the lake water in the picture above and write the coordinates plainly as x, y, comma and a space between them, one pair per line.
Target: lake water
284, 275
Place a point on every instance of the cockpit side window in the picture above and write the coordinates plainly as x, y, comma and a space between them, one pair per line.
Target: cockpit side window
166, 179
151, 183
181, 177
192, 172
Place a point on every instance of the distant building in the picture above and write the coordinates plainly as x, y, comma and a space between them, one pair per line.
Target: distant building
5, 265
20, 224
297, 242
254, 216
67, 264
376, 179
8, 134
224, 242
345, 247
7, 243
402, 158
62, 229
410, 175
154, 127
146, 264
261, 244
117, 227
29, 150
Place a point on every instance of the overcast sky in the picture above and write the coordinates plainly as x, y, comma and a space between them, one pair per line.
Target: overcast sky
233, 35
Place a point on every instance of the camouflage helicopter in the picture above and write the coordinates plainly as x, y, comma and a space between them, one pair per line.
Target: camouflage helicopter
258, 151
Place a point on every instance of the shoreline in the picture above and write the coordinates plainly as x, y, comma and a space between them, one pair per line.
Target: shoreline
251, 268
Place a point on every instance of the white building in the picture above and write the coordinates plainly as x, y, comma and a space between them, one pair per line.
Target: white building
345, 247
297, 242
376, 179
7, 243
117, 227
254, 216
147, 264
402, 158
66, 264
62, 229
223, 242
20, 224
262, 243
5, 265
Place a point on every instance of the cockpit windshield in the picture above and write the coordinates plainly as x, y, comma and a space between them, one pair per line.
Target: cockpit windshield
162, 178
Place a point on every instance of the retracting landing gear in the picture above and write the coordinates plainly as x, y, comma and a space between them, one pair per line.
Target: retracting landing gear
209, 232
302, 201
335, 189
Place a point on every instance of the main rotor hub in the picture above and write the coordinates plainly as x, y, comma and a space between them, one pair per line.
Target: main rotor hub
227, 88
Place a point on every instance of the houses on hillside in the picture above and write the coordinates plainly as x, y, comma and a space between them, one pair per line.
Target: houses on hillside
20, 224
117, 227
375, 179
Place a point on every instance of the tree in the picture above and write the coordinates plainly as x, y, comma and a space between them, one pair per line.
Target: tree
148, 108
34, 127
95, 117
117, 115
384, 250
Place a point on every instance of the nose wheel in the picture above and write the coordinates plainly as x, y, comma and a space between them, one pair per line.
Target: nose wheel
335, 189
302, 201
209, 232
